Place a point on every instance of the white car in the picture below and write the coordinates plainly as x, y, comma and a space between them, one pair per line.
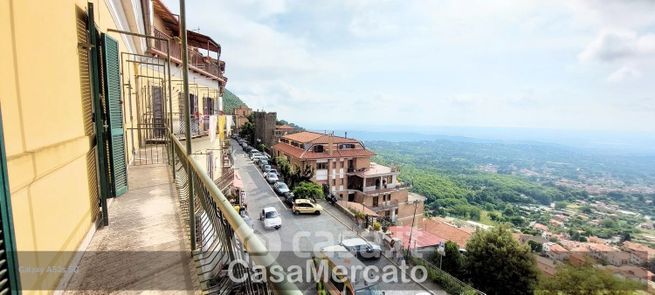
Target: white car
271, 218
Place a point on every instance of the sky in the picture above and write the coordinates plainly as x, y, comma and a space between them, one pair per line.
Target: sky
376, 65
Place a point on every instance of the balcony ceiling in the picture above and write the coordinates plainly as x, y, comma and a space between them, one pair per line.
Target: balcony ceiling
194, 39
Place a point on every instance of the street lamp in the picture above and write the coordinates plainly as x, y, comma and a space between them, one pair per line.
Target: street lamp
411, 230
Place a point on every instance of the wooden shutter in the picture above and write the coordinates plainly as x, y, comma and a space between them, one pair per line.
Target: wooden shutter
9, 279
98, 115
116, 141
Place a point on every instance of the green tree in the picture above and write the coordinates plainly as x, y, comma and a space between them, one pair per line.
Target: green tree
535, 246
308, 190
299, 174
586, 279
283, 165
453, 261
498, 264
561, 204
248, 132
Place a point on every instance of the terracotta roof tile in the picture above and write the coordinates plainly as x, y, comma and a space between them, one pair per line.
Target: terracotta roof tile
300, 153
447, 231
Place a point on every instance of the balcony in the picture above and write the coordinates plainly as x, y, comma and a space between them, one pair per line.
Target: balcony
198, 62
385, 205
391, 187
147, 245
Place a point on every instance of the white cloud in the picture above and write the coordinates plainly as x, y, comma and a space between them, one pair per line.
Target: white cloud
477, 63
624, 73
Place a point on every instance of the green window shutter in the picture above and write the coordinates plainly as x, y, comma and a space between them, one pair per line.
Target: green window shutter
112, 79
9, 278
95, 70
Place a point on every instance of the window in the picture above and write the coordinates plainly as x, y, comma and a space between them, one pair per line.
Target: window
334, 164
342, 163
346, 146
318, 148
334, 182
322, 165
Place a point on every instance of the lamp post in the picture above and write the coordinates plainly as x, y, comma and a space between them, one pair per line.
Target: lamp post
411, 230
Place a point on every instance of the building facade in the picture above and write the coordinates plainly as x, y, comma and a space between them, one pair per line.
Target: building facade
58, 171
241, 115
344, 166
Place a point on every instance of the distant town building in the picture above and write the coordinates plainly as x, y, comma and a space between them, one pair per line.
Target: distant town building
282, 130
555, 251
639, 253
241, 115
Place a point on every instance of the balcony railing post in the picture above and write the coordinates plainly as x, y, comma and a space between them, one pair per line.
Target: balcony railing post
185, 78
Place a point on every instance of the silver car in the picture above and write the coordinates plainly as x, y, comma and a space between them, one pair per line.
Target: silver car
362, 248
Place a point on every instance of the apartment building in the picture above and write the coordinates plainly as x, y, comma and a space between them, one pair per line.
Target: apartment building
344, 166
84, 95
207, 73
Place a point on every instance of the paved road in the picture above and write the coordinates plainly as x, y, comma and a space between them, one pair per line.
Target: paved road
300, 235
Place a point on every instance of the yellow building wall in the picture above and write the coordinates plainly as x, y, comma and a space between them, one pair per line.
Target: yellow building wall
45, 118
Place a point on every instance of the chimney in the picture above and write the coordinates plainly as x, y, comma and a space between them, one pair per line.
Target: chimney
345, 134
330, 141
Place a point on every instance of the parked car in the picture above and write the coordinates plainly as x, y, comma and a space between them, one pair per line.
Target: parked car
262, 162
362, 248
306, 206
253, 155
266, 168
281, 188
273, 170
270, 218
256, 159
271, 178
288, 199
247, 148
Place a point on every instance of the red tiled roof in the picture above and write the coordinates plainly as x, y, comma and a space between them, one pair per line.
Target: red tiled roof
299, 153
447, 231
315, 137
420, 238
303, 137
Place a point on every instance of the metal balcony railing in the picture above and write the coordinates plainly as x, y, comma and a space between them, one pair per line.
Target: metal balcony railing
222, 235
197, 61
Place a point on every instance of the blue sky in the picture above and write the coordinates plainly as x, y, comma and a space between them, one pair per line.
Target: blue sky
352, 64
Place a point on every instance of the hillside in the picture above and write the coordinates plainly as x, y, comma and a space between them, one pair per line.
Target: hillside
231, 102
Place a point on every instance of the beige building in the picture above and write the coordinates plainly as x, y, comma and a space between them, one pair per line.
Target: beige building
241, 115
344, 166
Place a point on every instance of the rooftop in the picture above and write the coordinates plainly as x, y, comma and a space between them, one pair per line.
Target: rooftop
447, 231
316, 137
420, 238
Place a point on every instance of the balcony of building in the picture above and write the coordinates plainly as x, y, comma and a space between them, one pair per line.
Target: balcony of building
148, 244
203, 52
200, 63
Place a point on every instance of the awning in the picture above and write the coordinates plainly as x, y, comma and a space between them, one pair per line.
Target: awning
237, 183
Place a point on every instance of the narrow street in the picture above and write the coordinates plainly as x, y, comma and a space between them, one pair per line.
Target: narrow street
302, 235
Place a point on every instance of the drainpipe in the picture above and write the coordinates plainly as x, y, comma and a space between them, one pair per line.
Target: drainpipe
187, 119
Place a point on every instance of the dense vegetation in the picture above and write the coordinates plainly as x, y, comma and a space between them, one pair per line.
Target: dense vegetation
231, 102
451, 175
586, 279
